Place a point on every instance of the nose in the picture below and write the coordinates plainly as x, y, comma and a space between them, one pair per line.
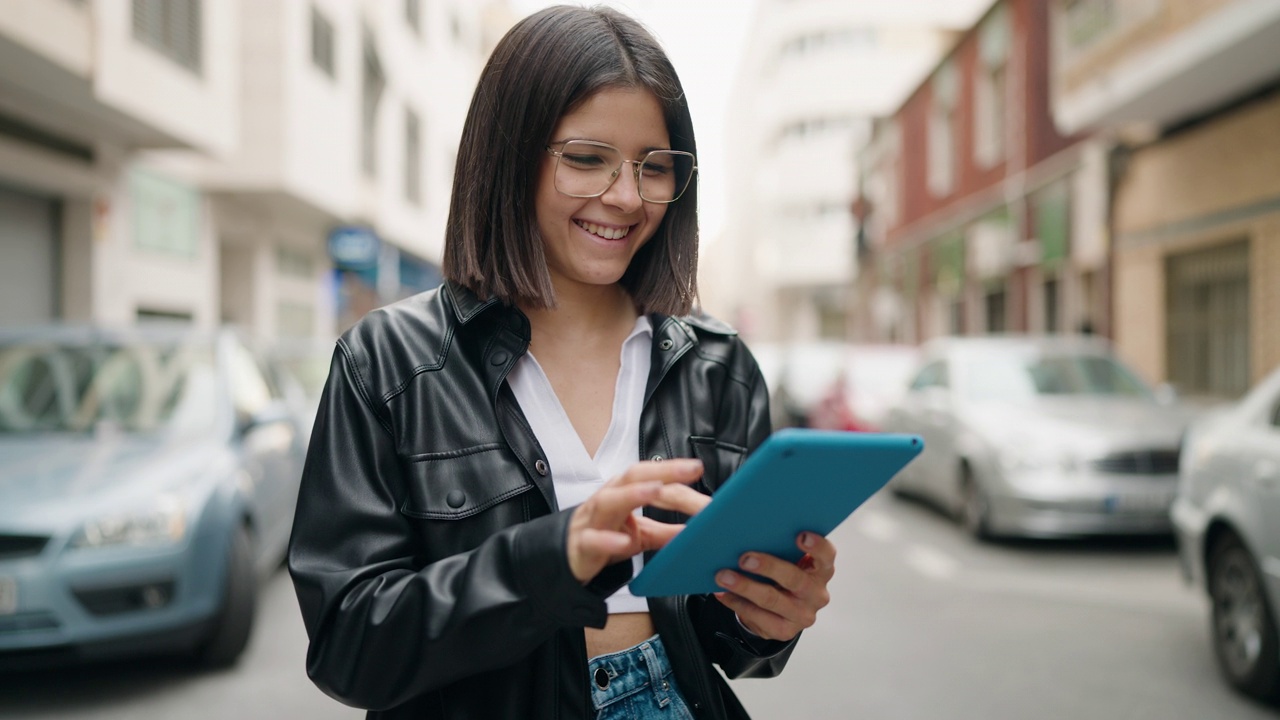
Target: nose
624, 193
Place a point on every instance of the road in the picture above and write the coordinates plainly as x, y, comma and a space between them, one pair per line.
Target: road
924, 623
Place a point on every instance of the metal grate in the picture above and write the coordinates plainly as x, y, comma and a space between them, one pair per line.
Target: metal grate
174, 28
13, 547
1208, 320
1141, 462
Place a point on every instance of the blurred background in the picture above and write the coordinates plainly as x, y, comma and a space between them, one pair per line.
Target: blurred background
1042, 234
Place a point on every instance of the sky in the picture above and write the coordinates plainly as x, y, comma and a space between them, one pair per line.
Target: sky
704, 39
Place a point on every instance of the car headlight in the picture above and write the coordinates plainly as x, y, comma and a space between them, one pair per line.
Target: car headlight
161, 523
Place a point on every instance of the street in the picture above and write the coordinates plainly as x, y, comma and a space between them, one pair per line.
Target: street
924, 623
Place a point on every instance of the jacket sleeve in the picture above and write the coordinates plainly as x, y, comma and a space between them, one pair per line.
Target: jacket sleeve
383, 628
737, 651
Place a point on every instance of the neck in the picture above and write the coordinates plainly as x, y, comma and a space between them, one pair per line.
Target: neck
582, 311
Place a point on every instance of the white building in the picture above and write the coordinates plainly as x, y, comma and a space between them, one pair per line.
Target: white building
189, 159
813, 76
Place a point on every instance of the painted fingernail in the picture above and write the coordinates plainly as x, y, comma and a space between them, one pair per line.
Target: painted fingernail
750, 562
726, 578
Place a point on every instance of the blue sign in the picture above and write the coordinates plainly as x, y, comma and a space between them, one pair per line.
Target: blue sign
354, 248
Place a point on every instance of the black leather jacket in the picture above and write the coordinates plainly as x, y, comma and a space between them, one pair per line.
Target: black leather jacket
428, 552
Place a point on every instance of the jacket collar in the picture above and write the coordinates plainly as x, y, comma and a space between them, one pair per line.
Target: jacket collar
466, 306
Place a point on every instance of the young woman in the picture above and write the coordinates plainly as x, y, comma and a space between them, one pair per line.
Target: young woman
491, 460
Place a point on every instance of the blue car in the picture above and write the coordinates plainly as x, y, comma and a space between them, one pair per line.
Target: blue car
148, 479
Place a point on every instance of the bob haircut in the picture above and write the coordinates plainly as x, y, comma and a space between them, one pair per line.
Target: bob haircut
542, 69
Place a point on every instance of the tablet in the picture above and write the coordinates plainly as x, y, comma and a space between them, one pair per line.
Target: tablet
797, 480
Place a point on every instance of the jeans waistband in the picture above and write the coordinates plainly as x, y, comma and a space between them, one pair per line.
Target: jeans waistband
617, 675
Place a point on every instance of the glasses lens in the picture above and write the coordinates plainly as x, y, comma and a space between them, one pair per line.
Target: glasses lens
586, 169
665, 174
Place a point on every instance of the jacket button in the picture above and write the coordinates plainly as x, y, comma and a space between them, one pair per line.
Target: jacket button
456, 499
541, 467
657, 458
499, 358
666, 344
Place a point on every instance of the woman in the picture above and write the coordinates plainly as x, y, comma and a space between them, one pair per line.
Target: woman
491, 459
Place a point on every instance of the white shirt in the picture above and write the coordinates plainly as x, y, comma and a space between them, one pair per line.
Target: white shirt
575, 475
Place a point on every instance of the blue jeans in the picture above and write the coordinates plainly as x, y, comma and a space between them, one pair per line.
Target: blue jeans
636, 684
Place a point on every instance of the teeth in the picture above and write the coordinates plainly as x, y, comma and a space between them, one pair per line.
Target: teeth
604, 232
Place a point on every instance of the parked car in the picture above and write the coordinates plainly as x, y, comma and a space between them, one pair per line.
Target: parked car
1039, 436
1227, 516
798, 375
871, 381
148, 480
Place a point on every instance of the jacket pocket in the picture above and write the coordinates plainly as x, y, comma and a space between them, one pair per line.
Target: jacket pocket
460, 484
719, 459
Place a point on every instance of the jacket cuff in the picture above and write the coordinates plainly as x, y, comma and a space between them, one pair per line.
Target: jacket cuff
541, 552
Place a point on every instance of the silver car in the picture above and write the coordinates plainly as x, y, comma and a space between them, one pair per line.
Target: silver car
1039, 436
1227, 516
147, 481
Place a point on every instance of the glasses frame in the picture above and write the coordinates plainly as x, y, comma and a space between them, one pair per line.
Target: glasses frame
635, 168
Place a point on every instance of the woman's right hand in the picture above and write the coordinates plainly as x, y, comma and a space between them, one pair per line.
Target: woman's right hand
605, 530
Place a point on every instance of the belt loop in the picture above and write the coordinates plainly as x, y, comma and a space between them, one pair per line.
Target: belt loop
661, 690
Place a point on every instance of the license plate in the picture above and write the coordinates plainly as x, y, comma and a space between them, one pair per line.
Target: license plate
8, 595
1138, 503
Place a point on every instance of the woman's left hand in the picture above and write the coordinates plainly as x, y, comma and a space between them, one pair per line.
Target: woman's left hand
780, 612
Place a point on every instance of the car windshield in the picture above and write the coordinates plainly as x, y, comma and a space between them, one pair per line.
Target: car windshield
52, 387
1024, 376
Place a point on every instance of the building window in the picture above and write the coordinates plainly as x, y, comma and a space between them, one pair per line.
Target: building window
413, 15
294, 263
374, 81
322, 42
166, 215
942, 132
412, 157
173, 28
832, 39
995, 309
990, 89
1208, 320
1051, 305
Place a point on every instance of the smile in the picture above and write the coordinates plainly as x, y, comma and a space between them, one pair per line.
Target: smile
608, 233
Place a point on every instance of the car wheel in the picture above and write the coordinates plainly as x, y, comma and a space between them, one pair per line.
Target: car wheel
975, 508
1244, 631
232, 626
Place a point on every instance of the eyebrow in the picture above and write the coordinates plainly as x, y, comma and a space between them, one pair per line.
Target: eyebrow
649, 149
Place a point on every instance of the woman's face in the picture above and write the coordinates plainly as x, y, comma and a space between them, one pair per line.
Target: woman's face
591, 241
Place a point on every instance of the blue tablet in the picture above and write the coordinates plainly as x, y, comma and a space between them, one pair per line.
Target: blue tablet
797, 480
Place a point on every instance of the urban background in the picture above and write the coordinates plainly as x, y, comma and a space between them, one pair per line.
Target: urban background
1042, 234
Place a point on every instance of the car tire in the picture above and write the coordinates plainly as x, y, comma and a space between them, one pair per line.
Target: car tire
974, 512
1243, 629
232, 626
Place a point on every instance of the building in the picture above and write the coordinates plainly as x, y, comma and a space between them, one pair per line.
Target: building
1190, 94
978, 214
191, 160
813, 76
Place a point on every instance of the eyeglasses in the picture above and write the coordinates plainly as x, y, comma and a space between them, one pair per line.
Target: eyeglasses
586, 168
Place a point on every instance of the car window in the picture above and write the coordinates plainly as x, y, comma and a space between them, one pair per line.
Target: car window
932, 375
1020, 376
250, 388
1275, 415
137, 388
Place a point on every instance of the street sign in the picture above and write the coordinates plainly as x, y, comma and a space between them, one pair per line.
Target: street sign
354, 248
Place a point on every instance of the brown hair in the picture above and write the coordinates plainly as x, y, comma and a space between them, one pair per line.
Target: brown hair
544, 67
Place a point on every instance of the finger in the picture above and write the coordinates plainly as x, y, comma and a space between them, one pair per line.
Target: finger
610, 506
787, 575
654, 535
681, 499
676, 470
820, 551
762, 623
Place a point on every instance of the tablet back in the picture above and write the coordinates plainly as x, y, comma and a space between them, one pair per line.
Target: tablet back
797, 480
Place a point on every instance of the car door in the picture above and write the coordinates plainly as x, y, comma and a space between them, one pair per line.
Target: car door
267, 435
1261, 471
915, 415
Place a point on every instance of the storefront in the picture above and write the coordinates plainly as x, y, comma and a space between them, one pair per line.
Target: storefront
29, 275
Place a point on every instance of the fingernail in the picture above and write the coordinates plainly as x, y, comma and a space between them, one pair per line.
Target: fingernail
690, 464
726, 578
750, 562
808, 540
